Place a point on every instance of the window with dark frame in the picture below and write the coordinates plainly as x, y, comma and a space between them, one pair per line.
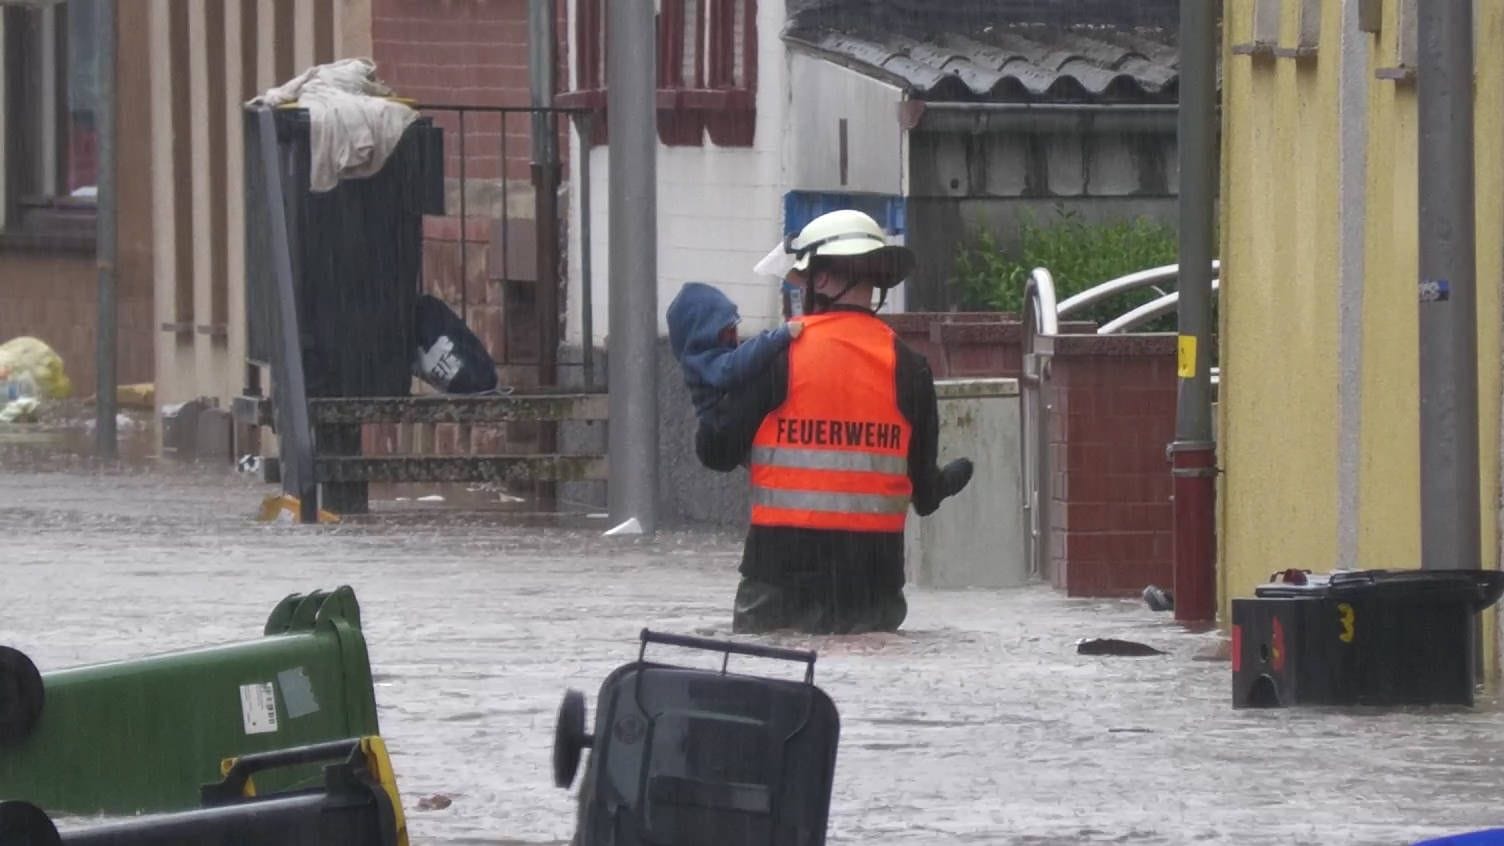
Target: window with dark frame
51, 81
707, 70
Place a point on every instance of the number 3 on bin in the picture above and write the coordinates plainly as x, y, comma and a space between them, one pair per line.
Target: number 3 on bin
1345, 616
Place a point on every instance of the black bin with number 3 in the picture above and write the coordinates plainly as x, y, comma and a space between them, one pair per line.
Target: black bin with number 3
1362, 637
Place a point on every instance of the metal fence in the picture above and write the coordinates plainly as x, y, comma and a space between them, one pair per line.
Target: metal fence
499, 256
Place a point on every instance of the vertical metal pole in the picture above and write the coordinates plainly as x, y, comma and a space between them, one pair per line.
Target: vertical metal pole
540, 59
633, 368
587, 295
545, 173
1194, 455
294, 432
1451, 533
465, 223
108, 443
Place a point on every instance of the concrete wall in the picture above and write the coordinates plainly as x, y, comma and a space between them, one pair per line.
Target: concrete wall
976, 539
1101, 168
1295, 342
687, 492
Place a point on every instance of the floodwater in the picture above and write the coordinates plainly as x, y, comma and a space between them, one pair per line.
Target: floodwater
977, 724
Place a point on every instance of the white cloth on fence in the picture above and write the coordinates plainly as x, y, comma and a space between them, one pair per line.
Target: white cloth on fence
353, 127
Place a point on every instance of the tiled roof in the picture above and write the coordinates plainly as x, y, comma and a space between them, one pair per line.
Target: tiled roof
997, 58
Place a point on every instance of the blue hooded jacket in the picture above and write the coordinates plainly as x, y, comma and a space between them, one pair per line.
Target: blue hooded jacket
711, 367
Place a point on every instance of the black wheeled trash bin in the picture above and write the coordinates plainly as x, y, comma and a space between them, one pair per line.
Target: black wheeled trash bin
686, 757
357, 263
1362, 637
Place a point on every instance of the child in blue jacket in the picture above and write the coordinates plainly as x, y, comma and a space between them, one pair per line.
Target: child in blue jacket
702, 333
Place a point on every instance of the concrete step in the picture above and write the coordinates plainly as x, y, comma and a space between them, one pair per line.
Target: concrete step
460, 468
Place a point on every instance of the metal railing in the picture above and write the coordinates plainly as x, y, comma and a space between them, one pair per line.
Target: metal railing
1132, 282
1041, 318
1042, 313
460, 124
1151, 310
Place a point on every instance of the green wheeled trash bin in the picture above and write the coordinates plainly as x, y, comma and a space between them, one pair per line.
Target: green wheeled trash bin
145, 735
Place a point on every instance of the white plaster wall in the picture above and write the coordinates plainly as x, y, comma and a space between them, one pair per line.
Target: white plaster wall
719, 209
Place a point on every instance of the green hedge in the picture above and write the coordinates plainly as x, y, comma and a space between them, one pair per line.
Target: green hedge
1078, 254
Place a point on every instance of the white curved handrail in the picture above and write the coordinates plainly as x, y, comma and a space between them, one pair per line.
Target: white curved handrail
1156, 307
1132, 281
1039, 299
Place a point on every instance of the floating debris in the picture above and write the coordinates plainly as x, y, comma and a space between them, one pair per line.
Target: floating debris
1113, 646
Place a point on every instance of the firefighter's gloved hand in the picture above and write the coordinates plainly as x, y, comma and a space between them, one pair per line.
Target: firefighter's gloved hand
954, 476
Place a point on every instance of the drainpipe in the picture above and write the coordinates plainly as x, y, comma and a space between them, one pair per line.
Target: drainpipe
1193, 455
107, 440
633, 286
1450, 526
546, 175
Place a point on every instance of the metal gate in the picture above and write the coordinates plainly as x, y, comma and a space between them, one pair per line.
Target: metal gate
499, 256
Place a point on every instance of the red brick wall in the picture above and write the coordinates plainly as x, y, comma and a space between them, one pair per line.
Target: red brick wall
463, 52
473, 53
970, 344
1112, 520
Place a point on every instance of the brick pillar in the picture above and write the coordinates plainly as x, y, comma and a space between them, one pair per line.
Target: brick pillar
1112, 521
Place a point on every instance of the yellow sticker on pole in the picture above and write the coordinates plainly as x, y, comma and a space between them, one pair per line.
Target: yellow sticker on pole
1187, 356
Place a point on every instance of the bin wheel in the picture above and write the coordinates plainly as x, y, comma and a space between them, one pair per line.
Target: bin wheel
570, 738
20, 696
24, 824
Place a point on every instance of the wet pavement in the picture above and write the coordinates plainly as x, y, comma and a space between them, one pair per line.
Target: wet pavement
976, 724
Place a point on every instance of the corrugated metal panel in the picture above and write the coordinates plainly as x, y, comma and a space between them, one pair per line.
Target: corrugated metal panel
1000, 57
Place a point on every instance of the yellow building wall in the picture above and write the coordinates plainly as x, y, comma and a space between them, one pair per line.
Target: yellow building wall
1279, 322
1278, 308
1390, 513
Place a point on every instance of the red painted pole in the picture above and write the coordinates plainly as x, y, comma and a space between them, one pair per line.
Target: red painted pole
1194, 466
1193, 456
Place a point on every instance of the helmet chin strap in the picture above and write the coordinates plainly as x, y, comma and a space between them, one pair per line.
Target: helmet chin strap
816, 303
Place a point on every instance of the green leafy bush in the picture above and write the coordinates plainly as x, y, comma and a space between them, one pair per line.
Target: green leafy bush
1078, 254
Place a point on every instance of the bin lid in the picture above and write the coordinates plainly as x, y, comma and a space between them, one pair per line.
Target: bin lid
1481, 588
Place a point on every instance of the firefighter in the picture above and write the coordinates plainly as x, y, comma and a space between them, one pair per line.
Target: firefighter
840, 437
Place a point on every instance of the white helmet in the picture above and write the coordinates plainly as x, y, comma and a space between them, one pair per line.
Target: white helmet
846, 233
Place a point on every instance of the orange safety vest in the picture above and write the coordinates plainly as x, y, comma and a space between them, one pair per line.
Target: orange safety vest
835, 455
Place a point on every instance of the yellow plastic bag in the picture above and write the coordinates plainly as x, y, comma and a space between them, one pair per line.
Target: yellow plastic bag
26, 356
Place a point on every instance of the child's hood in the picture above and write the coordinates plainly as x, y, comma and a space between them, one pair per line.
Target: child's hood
696, 317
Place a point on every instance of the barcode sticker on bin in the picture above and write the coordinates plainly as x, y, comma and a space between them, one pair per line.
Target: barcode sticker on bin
258, 708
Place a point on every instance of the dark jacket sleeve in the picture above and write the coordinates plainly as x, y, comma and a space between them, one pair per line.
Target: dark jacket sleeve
724, 440
916, 399
748, 360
